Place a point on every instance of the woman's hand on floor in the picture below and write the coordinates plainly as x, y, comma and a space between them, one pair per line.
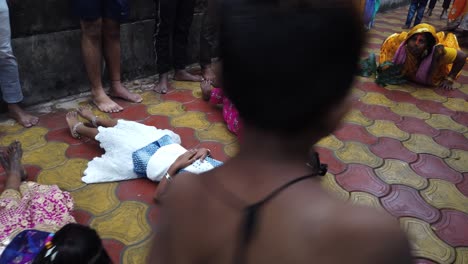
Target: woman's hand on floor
446, 85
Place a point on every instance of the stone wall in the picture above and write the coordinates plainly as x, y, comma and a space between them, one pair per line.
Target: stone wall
46, 42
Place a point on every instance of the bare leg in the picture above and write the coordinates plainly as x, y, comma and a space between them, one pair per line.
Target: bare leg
111, 34
12, 157
91, 47
77, 127
208, 73
22, 117
88, 115
163, 84
184, 75
206, 89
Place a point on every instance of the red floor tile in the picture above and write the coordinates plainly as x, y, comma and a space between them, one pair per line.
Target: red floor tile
380, 113
417, 126
456, 93
453, 228
87, 150
153, 214
62, 135
389, 148
53, 120
181, 96
32, 171
461, 118
370, 87
362, 178
81, 216
113, 248
161, 122
353, 132
399, 96
451, 139
334, 165
432, 107
406, 201
187, 136
135, 113
136, 190
433, 167
463, 186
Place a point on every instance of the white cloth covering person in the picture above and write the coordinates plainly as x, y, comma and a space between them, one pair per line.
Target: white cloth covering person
131, 147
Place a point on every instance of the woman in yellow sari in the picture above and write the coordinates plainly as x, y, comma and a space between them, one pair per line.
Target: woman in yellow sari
425, 56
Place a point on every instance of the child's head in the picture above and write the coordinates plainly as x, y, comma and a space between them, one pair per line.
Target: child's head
74, 243
288, 64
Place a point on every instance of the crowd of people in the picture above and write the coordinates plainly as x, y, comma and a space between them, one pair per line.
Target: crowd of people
268, 198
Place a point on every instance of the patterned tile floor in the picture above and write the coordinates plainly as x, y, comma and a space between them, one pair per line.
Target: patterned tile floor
402, 149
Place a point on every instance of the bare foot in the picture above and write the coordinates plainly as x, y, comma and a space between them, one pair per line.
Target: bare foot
163, 85
184, 75
105, 104
208, 74
86, 113
4, 161
15, 153
117, 90
206, 89
73, 123
22, 117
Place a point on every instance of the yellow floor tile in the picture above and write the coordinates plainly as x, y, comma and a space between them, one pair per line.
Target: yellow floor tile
406, 109
329, 183
438, 121
217, 132
166, 108
443, 194
67, 176
195, 120
425, 243
355, 152
458, 160
382, 128
97, 198
419, 143
399, 172
126, 224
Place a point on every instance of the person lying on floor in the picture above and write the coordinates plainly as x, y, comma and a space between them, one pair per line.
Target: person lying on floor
31, 213
134, 150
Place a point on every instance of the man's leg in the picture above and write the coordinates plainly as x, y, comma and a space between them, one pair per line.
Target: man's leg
208, 39
411, 12
420, 12
9, 76
431, 6
111, 40
91, 47
164, 25
183, 21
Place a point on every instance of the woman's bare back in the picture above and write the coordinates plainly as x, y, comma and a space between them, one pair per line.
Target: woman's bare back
301, 224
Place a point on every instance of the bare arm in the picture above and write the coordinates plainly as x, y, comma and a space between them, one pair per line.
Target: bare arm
458, 64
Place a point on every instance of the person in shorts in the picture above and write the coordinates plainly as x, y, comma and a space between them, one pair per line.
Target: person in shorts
100, 35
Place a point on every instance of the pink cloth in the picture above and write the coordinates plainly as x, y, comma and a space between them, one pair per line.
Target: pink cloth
35, 206
422, 75
230, 113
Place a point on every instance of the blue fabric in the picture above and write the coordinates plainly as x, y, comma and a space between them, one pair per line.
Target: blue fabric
142, 156
9, 76
118, 10
24, 247
416, 7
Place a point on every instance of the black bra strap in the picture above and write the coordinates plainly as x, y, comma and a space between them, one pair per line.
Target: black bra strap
249, 224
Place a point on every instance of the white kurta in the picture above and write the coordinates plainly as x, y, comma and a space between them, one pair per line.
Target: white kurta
119, 143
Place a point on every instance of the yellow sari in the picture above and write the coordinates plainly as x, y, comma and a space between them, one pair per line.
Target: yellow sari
394, 41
